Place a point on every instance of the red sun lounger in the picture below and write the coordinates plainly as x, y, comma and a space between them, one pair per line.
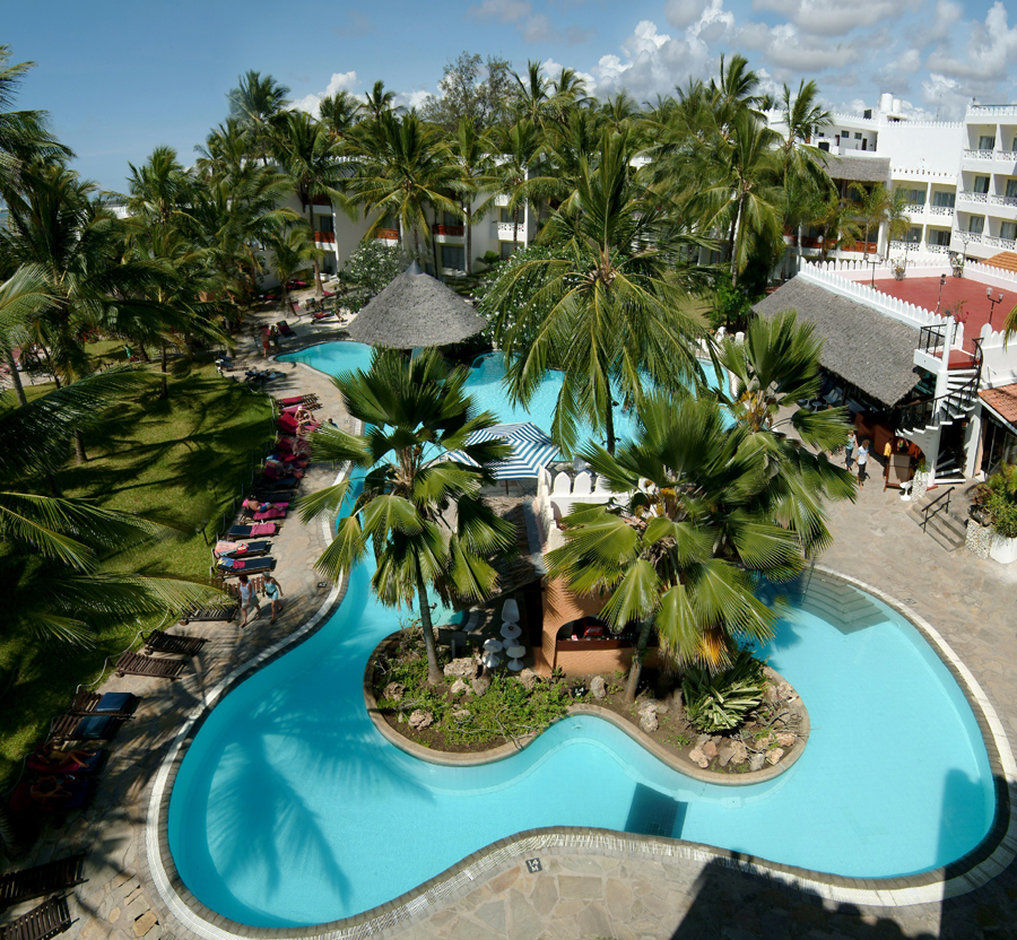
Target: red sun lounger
258, 530
225, 549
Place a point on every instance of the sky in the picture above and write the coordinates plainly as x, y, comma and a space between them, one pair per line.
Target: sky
120, 78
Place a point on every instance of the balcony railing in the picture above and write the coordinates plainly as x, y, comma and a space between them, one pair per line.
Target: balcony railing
868, 248
325, 237
973, 197
941, 210
391, 234
980, 154
993, 241
914, 208
504, 231
456, 231
993, 110
937, 249
998, 200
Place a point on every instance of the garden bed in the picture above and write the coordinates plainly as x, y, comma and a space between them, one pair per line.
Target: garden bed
473, 718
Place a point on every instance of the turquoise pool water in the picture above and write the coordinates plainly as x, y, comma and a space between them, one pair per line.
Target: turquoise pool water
289, 808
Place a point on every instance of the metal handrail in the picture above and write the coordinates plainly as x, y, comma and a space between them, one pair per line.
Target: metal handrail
919, 413
928, 512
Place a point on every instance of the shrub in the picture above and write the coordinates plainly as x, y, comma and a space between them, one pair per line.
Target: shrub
723, 701
998, 497
370, 268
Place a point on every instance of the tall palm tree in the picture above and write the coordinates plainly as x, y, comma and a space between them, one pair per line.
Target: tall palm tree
425, 521
604, 302
775, 367
473, 162
404, 173
678, 547
22, 296
292, 248
307, 155
378, 101
517, 147
339, 113
875, 205
256, 103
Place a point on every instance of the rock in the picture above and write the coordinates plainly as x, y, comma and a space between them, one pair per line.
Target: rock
774, 755
648, 721
786, 739
480, 685
709, 750
702, 739
145, 923
698, 757
461, 714
419, 719
724, 753
741, 753
394, 691
756, 761
771, 695
464, 667
458, 687
598, 687
661, 708
767, 740
402, 718
528, 678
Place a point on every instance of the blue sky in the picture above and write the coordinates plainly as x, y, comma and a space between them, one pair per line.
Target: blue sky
120, 78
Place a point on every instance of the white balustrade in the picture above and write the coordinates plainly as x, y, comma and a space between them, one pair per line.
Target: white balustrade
583, 484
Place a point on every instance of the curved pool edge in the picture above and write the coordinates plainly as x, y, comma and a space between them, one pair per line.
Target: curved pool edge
510, 748
988, 859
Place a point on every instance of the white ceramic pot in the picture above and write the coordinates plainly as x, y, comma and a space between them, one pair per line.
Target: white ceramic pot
1002, 549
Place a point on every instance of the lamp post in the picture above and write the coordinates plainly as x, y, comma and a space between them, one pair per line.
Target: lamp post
939, 299
992, 301
874, 262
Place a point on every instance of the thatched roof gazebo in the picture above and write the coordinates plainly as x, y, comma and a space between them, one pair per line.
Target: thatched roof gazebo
415, 310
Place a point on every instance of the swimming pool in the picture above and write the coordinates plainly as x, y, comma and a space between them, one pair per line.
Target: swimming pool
289, 808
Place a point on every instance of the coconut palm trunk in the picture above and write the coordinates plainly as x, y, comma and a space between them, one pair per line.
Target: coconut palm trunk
12, 366
434, 673
319, 289
638, 655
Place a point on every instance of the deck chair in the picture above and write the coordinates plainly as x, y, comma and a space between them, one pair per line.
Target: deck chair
229, 549
285, 329
309, 400
50, 918
156, 667
173, 644
17, 886
209, 614
898, 471
259, 530
117, 704
85, 727
237, 566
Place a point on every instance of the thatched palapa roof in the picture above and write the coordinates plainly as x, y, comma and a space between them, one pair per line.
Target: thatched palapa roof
858, 169
863, 346
415, 310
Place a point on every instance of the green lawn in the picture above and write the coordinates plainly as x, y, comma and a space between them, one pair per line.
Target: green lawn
179, 460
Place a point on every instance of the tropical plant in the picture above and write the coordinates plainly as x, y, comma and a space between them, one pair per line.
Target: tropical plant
679, 546
998, 497
473, 163
424, 518
775, 367
369, 269
293, 249
255, 104
722, 701
605, 306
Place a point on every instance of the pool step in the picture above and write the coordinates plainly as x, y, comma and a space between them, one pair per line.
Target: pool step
843, 605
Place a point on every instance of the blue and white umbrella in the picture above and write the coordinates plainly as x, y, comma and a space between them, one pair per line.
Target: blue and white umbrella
532, 450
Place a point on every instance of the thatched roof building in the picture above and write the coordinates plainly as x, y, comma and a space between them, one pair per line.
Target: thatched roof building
871, 351
415, 310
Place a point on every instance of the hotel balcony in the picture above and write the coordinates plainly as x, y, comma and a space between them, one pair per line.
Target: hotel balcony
993, 112
981, 245
992, 204
501, 201
387, 236
324, 239
443, 234
503, 232
918, 247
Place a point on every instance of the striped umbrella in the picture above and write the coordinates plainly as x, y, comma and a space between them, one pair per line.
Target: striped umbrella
532, 450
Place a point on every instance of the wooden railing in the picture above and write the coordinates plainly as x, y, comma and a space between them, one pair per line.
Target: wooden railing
454, 230
386, 233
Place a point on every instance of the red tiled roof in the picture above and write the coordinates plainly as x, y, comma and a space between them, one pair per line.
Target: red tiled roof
1005, 259
1003, 401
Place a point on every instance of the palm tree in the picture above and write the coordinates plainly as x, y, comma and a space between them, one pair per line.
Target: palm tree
378, 101
22, 297
292, 250
603, 305
517, 147
678, 547
256, 103
425, 520
473, 162
307, 155
775, 367
533, 94
405, 173
875, 205
339, 113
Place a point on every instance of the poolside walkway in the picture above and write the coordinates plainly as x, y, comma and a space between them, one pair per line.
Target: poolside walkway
575, 894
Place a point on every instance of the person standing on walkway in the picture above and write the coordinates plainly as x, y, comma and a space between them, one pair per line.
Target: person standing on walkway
274, 593
248, 600
849, 448
863, 459
266, 342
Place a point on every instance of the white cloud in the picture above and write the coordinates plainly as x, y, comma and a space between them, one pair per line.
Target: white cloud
785, 46
340, 81
411, 99
682, 13
537, 28
990, 50
505, 11
833, 17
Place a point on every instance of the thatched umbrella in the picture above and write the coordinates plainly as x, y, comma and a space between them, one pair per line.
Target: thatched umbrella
415, 310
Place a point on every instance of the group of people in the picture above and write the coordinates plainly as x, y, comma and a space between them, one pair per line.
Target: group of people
250, 606
860, 454
270, 339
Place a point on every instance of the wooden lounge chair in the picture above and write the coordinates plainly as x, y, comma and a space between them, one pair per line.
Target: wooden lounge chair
175, 645
117, 704
70, 727
229, 548
17, 886
50, 918
235, 566
216, 612
259, 529
138, 664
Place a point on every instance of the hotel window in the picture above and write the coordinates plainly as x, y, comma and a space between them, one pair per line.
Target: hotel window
454, 257
914, 197
1008, 230
981, 184
986, 142
975, 224
939, 237
450, 218
944, 199
505, 249
858, 135
505, 214
1011, 187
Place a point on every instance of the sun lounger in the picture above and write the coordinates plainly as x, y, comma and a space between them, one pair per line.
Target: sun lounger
321, 314
50, 918
258, 530
246, 565
306, 400
117, 704
137, 664
225, 549
173, 644
212, 613
17, 886
85, 727
285, 329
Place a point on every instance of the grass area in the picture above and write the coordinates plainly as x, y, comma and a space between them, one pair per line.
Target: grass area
179, 460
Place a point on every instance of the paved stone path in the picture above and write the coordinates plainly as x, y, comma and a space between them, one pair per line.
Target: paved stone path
578, 894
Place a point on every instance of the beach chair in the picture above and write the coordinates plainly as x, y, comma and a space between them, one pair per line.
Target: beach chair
137, 664
49, 919
118, 704
209, 614
285, 329
173, 644
17, 886
225, 549
295, 307
320, 315
71, 727
238, 566
258, 530
306, 400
